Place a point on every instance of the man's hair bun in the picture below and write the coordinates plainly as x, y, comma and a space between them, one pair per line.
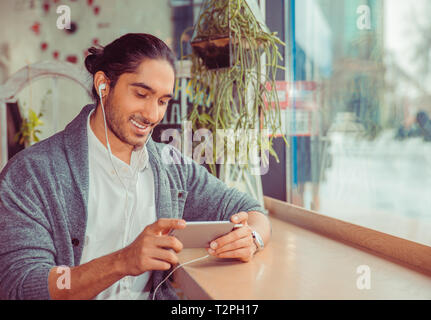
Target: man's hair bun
93, 60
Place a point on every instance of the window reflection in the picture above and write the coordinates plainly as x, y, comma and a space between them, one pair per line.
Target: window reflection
359, 112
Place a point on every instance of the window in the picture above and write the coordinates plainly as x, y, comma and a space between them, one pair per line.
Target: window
358, 88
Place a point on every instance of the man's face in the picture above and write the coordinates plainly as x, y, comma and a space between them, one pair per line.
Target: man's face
139, 100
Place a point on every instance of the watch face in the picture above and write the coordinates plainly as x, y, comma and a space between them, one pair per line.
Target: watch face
258, 240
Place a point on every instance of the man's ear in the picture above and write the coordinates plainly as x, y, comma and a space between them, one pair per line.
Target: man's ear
100, 79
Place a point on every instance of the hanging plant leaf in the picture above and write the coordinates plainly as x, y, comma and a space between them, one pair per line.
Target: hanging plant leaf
206, 118
234, 56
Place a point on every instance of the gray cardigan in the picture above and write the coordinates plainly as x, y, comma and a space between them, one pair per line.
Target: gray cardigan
43, 207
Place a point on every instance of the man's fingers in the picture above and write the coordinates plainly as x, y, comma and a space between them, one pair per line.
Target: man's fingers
159, 254
240, 243
230, 237
170, 243
240, 217
243, 254
163, 226
165, 255
157, 264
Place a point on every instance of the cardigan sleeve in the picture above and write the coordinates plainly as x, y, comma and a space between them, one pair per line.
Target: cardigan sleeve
27, 251
209, 198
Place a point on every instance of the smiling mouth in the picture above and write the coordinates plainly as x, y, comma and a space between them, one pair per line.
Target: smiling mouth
140, 126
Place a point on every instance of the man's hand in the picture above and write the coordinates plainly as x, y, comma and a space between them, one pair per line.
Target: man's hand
153, 249
236, 244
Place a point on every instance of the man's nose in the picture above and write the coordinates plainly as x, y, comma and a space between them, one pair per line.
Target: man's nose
152, 113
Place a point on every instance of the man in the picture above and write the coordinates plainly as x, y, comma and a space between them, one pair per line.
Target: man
99, 199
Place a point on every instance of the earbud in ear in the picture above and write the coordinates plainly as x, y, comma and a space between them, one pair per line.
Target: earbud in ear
101, 87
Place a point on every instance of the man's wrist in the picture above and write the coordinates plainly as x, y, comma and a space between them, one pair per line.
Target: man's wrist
119, 262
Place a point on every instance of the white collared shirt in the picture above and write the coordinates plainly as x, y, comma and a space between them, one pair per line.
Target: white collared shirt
110, 226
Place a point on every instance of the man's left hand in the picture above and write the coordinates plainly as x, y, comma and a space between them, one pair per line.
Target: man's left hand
237, 244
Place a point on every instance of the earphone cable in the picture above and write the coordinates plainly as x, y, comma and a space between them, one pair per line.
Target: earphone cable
175, 269
135, 169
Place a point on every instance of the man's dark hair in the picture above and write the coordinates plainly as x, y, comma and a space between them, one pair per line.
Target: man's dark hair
124, 55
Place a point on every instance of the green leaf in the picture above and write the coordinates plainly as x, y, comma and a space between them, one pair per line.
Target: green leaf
206, 118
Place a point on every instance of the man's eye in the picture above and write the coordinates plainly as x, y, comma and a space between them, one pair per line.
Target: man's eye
142, 95
164, 102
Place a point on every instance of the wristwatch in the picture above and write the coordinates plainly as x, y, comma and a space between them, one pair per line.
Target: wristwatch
257, 240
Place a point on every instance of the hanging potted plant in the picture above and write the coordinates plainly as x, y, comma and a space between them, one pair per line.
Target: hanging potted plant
234, 65
217, 29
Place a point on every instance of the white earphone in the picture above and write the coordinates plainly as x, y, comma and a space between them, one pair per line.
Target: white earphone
103, 87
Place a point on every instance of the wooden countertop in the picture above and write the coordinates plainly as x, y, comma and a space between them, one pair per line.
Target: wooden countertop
299, 264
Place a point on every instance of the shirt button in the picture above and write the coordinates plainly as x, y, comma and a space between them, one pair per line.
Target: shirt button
87, 239
75, 242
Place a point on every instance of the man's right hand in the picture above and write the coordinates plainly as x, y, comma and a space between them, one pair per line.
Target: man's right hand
153, 249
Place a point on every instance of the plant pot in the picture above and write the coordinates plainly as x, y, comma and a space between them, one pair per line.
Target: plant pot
213, 52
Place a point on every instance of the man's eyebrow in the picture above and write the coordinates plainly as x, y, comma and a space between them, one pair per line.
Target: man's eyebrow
144, 86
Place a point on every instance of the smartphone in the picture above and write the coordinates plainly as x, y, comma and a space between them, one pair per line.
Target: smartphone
199, 234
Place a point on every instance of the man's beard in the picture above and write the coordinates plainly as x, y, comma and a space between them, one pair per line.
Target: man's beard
119, 125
